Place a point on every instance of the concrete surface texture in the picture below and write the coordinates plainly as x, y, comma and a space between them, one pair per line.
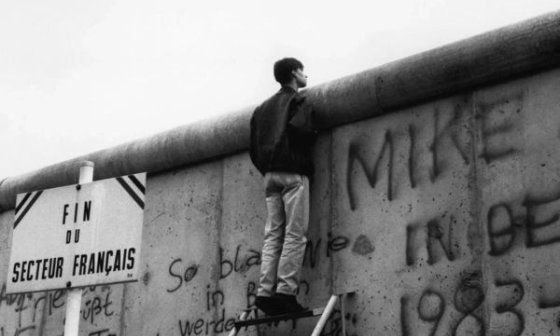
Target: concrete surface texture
443, 217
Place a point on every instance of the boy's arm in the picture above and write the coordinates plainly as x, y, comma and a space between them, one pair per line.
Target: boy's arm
303, 120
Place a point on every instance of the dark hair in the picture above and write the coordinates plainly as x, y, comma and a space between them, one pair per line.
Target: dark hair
284, 67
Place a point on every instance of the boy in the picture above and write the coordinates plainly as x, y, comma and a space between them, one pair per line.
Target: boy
282, 135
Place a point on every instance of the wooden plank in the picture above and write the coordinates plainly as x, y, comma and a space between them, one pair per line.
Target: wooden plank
278, 318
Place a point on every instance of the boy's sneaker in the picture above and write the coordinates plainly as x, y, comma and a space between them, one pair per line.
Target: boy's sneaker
290, 304
269, 305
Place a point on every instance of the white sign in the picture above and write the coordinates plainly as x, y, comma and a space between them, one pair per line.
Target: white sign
78, 235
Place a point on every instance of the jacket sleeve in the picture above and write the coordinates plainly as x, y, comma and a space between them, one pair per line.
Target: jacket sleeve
253, 151
303, 122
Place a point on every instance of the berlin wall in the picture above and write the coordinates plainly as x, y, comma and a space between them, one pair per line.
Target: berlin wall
436, 199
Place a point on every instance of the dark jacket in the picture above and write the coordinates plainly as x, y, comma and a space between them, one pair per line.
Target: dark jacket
283, 133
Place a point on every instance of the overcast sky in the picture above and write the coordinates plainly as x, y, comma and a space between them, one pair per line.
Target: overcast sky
79, 76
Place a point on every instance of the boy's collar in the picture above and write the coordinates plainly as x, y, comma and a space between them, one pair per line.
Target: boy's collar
288, 89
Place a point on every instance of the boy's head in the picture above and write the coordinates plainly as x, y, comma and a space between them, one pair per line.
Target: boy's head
289, 69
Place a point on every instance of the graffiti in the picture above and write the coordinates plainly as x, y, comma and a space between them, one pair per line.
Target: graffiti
334, 244
362, 245
448, 130
447, 133
501, 231
183, 276
435, 238
221, 320
100, 304
204, 326
451, 141
239, 263
214, 298
468, 297
27, 305
534, 218
536, 207
356, 155
498, 122
53, 300
549, 293
243, 260
412, 156
508, 304
11, 299
101, 332
251, 294
431, 307
18, 331
334, 324
218, 323
463, 311
29, 309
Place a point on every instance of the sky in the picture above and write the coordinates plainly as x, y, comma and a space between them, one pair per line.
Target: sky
79, 76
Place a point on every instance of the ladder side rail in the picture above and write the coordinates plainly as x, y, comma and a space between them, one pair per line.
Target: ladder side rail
325, 316
342, 304
234, 331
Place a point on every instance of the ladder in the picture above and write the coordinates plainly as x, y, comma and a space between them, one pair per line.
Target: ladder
324, 312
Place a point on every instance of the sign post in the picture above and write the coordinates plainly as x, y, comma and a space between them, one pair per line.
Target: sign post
86, 234
74, 295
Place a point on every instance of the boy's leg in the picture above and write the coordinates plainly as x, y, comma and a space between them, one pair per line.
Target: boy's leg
296, 204
272, 246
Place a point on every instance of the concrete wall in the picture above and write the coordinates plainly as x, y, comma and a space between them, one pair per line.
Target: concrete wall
462, 214
443, 217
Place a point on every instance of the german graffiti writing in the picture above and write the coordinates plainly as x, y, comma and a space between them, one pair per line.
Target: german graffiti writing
240, 263
201, 326
214, 300
362, 245
31, 308
183, 274
18, 331
102, 332
246, 258
99, 304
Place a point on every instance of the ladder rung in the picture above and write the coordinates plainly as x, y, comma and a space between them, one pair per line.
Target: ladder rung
276, 318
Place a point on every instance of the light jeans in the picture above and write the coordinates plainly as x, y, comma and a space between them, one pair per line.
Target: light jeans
287, 203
